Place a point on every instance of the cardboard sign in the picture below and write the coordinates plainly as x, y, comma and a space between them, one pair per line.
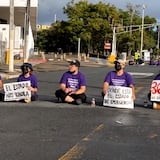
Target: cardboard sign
16, 91
155, 90
119, 97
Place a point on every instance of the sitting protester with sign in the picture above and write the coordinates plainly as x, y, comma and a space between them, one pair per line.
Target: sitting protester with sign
154, 94
27, 75
118, 78
17, 91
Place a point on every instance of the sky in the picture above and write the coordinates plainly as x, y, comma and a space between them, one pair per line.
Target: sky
49, 10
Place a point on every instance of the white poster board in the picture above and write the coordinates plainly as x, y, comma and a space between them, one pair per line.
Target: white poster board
146, 55
119, 97
155, 90
16, 91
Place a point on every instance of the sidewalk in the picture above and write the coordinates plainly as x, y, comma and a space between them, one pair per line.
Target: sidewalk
48, 64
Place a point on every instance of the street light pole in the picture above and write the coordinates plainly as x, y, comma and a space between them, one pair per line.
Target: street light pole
158, 30
79, 47
26, 35
143, 7
114, 42
11, 37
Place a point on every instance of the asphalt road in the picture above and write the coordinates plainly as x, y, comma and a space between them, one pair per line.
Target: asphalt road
46, 130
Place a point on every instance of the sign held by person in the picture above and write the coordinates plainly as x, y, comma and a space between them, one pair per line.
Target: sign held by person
155, 90
16, 91
119, 97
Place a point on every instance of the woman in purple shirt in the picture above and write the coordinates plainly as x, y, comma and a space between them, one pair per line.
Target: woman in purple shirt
28, 76
72, 85
118, 78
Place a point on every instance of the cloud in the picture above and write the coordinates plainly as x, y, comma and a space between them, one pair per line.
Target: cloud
48, 8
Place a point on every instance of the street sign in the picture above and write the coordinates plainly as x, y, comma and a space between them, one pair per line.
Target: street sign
107, 45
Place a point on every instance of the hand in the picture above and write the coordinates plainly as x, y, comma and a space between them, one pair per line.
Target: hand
68, 90
31, 89
133, 97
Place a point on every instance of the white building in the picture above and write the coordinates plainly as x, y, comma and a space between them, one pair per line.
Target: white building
19, 22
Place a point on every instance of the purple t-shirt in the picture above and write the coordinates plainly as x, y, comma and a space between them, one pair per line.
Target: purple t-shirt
124, 80
73, 81
32, 78
0, 78
157, 77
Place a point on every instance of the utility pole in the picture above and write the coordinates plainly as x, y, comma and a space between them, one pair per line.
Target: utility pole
11, 37
158, 30
55, 18
26, 33
79, 47
143, 7
114, 42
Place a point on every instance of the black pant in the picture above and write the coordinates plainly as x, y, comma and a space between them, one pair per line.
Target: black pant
62, 95
1, 97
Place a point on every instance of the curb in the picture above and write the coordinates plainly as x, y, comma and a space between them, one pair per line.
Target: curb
8, 76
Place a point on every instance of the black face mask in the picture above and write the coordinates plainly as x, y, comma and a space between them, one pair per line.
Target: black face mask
71, 72
118, 67
25, 70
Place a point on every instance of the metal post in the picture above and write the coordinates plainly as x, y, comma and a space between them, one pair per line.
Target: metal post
158, 37
11, 37
55, 18
79, 46
143, 7
114, 42
26, 36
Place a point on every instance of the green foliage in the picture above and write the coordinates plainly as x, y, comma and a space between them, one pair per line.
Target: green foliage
93, 24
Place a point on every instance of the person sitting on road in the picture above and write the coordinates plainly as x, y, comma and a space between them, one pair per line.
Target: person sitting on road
151, 62
158, 62
118, 78
27, 75
157, 77
72, 85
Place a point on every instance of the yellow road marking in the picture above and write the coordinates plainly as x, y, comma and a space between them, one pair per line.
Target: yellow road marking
77, 150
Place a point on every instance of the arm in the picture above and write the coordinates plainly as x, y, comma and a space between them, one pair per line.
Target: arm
105, 87
107, 82
64, 88
34, 84
81, 90
32, 89
133, 91
1, 84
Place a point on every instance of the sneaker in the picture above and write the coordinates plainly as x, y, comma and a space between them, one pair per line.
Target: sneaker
78, 101
58, 100
27, 100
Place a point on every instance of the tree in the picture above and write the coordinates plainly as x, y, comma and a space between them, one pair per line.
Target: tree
93, 24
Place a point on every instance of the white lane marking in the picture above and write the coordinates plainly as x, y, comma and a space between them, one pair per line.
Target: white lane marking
141, 74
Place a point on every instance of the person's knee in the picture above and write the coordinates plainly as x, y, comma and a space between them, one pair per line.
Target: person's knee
58, 93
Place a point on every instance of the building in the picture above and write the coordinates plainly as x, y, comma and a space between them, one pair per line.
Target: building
20, 12
43, 27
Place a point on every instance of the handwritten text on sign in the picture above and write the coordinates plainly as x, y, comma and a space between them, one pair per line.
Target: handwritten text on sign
155, 90
119, 97
16, 91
